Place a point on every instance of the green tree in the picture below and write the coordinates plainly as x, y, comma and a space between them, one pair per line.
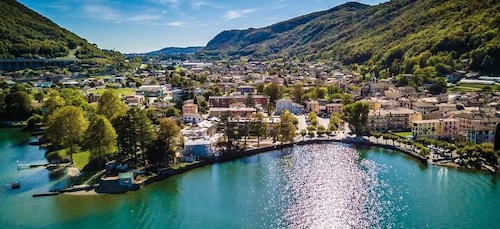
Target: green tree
258, 127
167, 143
297, 92
110, 105
17, 106
287, 128
135, 132
100, 137
74, 97
274, 91
53, 102
334, 123
356, 114
347, 99
66, 127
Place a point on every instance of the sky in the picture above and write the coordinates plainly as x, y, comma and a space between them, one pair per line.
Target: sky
138, 26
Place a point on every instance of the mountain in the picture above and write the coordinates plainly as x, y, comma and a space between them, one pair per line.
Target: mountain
27, 34
176, 51
398, 34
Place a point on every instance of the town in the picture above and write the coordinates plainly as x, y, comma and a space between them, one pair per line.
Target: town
225, 107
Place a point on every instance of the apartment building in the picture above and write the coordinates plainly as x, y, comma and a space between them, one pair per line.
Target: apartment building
436, 128
397, 119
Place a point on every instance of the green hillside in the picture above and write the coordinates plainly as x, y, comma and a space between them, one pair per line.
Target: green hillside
26, 34
396, 35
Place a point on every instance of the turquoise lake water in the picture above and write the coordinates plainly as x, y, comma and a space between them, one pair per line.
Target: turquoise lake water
314, 186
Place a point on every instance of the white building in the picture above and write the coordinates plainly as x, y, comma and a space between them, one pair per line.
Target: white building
287, 104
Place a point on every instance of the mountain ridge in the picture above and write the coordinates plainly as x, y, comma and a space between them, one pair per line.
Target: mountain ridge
452, 31
25, 33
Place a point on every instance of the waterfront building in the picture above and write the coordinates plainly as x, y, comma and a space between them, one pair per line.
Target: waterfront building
480, 135
396, 119
436, 128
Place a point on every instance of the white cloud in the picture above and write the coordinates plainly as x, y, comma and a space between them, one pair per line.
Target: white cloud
143, 17
233, 14
199, 4
102, 12
176, 23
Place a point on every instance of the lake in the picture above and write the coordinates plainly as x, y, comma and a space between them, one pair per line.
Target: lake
312, 186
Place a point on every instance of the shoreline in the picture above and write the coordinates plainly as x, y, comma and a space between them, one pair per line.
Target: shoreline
166, 173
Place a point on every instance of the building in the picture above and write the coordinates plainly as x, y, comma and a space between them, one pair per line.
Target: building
398, 119
190, 112
436, 128
225, 101
334, 107
246, 89
151, 90
312, 105
480, 135
135, 100
424, 107
288, 104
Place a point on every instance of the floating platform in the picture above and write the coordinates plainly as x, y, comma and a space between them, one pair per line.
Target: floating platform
46, 194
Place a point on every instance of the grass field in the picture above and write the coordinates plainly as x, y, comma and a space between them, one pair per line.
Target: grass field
81, 159
403, 134
121, 91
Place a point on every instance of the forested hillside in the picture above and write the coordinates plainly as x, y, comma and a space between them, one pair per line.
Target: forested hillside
26, 34
397, 35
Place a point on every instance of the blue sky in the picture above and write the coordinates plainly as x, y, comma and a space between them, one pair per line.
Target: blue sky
139, 26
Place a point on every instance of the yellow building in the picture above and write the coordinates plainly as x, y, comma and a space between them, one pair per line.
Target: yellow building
397, 119
436, 128
312, 106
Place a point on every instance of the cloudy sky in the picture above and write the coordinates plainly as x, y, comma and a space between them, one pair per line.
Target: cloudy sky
146, 25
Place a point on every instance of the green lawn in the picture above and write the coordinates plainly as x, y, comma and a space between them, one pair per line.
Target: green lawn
81, 159
403, 134
121, 91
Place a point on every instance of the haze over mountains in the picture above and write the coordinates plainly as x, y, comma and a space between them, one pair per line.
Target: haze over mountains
453, 31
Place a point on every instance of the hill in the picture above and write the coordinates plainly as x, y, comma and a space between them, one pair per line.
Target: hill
176, 51
27, 34
396, 35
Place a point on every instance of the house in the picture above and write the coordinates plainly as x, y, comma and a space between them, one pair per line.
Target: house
288, 104
334, 107
312, 105
190, 112
134, 100
424, 107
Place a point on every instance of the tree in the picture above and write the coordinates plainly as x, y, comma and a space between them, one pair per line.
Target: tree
356, 114
249, 101
287, 128
74, 97
274, 91
376, 135
110, 105
258, 127
172, 112
39, 96
53, 102
100, 137
334, 123
17, 106
297, 92
166, 144
66, 127
135, 132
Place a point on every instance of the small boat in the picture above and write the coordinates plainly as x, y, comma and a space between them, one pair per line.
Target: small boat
15, 185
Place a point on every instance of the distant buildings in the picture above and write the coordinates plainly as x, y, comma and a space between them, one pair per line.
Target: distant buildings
397, 119
225, 101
